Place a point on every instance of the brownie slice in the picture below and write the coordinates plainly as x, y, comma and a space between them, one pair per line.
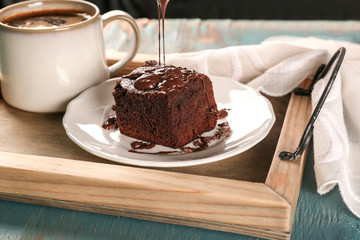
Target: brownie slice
165, 105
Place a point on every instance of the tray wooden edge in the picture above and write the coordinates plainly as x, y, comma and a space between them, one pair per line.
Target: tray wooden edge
285, 177
208, 202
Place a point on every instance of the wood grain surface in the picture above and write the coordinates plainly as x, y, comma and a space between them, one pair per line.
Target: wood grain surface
43, 135
39, 164
279, 179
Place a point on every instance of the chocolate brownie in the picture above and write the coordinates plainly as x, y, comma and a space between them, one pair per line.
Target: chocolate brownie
165, 105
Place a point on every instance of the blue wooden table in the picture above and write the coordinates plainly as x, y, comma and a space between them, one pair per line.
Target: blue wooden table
317, 217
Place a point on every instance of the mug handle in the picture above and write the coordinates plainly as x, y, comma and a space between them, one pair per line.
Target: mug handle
121, 15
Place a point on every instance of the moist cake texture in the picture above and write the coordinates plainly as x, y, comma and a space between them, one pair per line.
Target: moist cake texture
165, 105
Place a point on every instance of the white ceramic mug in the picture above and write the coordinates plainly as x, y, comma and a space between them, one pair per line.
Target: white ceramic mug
43, 69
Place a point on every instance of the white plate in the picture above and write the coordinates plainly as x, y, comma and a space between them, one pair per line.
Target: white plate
250, 117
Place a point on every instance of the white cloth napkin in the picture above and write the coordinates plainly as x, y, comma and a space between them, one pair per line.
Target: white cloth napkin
276, 67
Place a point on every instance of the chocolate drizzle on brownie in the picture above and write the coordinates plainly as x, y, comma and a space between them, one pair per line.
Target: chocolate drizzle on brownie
161, 78
147, 81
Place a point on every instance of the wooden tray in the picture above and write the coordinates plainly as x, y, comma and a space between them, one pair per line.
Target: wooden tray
253, 193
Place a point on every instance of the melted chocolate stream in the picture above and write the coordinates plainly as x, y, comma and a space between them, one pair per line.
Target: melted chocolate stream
162, 4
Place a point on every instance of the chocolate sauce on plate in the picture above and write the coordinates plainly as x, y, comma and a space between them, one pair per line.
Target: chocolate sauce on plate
142, 145
110, 123
223, 131
223, 113
201, 143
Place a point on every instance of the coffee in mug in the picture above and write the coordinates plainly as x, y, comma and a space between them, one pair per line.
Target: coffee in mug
47, 19
52, 50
